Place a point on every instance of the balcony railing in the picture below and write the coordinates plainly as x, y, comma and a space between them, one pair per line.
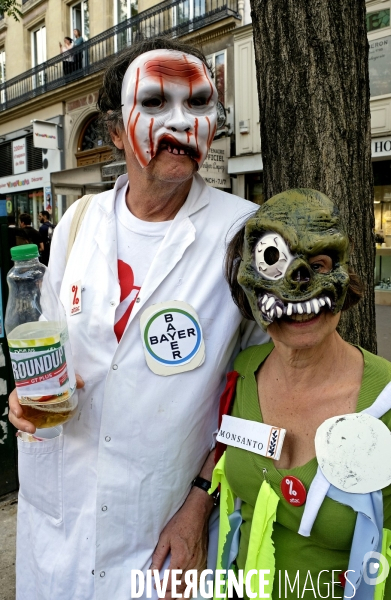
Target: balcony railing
169, 18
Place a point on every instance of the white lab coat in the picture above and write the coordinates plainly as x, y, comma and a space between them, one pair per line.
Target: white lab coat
94, 500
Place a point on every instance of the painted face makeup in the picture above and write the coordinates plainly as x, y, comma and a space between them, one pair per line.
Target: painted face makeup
169, 104
295, 258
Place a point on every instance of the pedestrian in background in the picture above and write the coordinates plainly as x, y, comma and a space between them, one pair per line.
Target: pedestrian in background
32, 234
78, 40
69, 59
46, 233
16, 235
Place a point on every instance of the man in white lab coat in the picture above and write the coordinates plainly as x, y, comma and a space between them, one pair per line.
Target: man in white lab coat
154, 338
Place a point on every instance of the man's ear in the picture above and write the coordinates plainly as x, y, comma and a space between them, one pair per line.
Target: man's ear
117, 139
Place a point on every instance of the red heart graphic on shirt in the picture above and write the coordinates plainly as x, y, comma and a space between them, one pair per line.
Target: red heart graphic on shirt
128, 290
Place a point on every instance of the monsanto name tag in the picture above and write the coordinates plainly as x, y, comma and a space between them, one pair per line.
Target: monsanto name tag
172, 338
249, 435
75, 298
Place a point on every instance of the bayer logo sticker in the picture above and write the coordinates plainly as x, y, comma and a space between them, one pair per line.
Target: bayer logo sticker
172, 338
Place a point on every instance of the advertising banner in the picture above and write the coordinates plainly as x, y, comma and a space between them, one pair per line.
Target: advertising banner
45, 135
215, 168
19, 156
380, 66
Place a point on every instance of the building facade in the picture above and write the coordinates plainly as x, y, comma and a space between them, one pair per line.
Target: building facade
43, 89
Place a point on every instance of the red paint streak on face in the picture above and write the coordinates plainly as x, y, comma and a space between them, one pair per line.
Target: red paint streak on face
174, 68
151, 138
136, 148
208, 142
189, 134
196, 133
210, 83
135, 96
190, 83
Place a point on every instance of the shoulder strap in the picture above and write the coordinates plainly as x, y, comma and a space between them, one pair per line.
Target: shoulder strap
77, 220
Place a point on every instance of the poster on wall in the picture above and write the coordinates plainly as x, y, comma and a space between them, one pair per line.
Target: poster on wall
380, 66
214, 171
48, 199
19, 156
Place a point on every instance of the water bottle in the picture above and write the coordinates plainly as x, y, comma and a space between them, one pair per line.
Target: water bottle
38, 342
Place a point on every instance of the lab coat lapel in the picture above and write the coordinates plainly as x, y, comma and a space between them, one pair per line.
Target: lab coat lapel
106, 235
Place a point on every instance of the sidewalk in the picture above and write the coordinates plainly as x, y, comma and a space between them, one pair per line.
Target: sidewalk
383, 328
8, 503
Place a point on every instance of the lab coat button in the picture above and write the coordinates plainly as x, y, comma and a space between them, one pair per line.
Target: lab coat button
138, 299
112, 303
104, 508
115, 367
107, 438
102, 573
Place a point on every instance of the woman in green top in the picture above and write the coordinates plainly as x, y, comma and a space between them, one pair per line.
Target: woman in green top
288, 269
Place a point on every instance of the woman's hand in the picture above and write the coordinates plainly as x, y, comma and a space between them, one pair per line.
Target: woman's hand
15, 414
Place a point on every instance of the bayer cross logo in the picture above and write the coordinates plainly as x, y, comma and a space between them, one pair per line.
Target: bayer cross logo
172, 338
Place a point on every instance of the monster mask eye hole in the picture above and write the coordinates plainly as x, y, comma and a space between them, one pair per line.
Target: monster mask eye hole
272, 256
153, 102
322, 263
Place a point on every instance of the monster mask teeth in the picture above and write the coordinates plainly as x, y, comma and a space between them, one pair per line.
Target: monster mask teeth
316, 305
272, 307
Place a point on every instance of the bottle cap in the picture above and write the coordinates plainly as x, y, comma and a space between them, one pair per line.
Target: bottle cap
25, 252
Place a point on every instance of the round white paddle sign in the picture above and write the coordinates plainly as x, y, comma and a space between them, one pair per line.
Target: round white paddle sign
353, 453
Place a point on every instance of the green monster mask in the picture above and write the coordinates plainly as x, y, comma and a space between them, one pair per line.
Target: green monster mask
281, 240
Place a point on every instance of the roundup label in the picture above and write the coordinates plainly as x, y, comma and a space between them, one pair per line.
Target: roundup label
40, 365
172, 338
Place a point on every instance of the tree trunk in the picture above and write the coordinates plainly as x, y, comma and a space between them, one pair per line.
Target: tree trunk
313, 83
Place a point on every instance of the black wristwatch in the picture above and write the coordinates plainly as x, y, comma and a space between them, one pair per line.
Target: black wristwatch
204, 484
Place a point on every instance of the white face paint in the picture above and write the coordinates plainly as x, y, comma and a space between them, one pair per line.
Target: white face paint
169, 104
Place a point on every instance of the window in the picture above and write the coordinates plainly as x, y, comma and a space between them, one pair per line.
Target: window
6, 159
34, 155
38, 46
80, 19
377, 20
38, 54
2, 74
186, 12
218, 63
126, 9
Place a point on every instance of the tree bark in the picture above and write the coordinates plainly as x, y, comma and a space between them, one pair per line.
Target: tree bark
313, 84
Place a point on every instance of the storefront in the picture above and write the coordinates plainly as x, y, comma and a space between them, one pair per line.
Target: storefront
29, 193
27, 158
381, 156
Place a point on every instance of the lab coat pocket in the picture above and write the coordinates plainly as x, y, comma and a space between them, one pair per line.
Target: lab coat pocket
40, 474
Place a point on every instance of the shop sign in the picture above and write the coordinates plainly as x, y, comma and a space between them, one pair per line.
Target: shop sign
31, 180
214, 171
380, 66
381, 147
19, 156
45, 135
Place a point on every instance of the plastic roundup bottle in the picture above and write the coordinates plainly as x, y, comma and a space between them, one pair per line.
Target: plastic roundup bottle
38, 342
